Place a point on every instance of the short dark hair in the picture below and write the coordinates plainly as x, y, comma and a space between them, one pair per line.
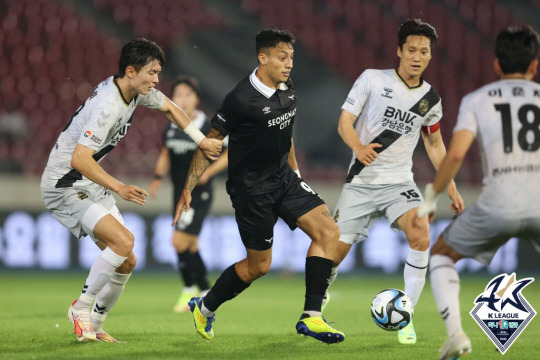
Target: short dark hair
270, 37
138, 53
516, 47
186, 80
416, 27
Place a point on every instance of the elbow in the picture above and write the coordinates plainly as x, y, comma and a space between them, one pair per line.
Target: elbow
75, 162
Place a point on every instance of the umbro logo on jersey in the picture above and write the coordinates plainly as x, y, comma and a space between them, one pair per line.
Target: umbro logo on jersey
266, 110
387, 92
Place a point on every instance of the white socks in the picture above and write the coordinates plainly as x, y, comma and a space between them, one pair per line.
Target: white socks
445, 286
414, 273
100, 273
106, 299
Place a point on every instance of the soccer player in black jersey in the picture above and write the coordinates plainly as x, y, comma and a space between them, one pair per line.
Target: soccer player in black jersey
258, 116
176, 155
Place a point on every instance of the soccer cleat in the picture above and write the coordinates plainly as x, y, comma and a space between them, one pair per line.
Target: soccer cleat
456, 346
203, 324
318, 328
325, 301
104, 336
80, 319
407, 335
185, 296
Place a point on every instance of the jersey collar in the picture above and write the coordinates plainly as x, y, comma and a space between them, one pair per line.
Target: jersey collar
407, 85
263, 89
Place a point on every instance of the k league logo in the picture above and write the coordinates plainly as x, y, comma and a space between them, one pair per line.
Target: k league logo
502, 311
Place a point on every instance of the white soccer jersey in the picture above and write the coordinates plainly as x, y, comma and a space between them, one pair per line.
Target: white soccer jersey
390, 113
100, 123
505, 118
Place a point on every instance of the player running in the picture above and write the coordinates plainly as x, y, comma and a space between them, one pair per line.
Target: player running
505, 116
258, 115
391, 108
77, 191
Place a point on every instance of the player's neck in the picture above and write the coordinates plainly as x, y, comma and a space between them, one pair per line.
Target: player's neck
127, 91
265, 79
411, 81
519, 76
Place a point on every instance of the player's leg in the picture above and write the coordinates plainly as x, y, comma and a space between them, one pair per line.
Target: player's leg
324, 233
256, 219
183, 243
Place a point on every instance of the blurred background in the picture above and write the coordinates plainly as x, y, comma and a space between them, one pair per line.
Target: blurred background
53, 53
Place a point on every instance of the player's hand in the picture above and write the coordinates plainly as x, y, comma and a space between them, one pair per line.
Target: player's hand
457, 205
182, 205
133, 193
366, 153
211, 148
153, 187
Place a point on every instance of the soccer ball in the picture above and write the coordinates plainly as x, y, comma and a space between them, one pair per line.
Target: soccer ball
392, 309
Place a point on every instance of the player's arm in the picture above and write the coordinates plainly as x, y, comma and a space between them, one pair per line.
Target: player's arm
162, 168
83, 162
210, 147
436, 151
198, 165
364, 153
292, 159
215, 168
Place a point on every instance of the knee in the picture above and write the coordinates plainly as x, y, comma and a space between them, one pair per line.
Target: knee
327, 234
258, 270
128, 265
127, 241
419, 240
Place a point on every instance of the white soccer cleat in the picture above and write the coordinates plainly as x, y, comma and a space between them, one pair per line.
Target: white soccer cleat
456, 346
82, 326
104, 336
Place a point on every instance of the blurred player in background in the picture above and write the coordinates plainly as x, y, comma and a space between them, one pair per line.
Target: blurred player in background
77, 191
258, 115
505, 117
391, 108
176, 155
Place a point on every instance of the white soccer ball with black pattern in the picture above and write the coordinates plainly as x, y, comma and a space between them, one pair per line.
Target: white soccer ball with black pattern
392, 309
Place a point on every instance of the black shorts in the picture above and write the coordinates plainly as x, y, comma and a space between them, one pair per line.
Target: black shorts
191, 221
256, 215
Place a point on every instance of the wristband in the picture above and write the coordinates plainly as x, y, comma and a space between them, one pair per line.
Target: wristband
430, 201
194, 133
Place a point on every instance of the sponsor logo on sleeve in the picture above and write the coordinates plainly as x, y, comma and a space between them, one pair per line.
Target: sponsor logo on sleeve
502, 311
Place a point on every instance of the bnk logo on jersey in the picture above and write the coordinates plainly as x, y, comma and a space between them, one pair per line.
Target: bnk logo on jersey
502, 311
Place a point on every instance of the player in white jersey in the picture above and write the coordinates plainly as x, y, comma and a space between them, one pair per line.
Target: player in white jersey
391, 108
505, 117
77, 191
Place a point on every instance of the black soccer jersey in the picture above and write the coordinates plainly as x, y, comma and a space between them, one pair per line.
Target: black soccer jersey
181, 149
259, 122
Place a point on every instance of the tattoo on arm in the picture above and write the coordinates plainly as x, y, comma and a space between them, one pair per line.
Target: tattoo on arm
196, 169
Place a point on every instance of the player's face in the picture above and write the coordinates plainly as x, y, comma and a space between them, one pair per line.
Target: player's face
185, 97
415, 57
277, 63
147, 77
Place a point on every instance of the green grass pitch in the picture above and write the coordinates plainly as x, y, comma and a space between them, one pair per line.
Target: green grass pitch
258, 324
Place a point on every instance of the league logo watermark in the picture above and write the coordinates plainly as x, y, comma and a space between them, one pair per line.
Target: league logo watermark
502, 311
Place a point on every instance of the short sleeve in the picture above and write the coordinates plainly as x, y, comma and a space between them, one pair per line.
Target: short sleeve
466, 116
224, 119
434, 115
153, 100
358, 95
96, 131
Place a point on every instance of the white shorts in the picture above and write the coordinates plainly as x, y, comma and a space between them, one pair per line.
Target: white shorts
360, 206
477, 234
80, 209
